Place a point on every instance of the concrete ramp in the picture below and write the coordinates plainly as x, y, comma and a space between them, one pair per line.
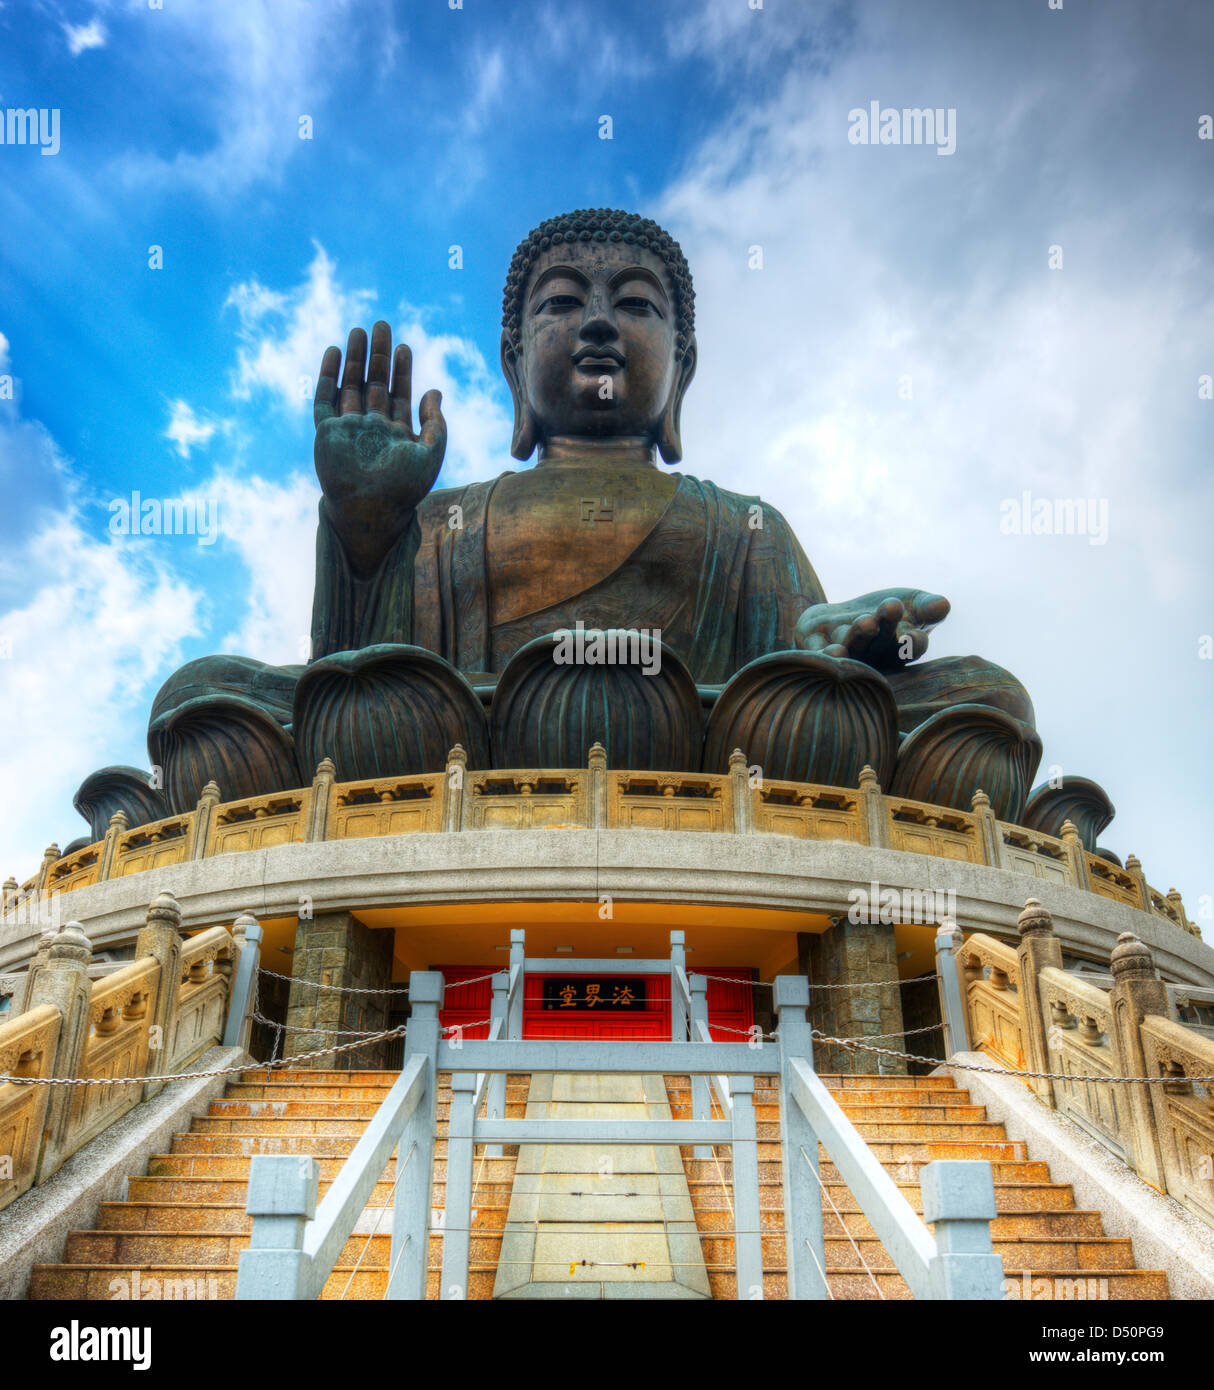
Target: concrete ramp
600, 1220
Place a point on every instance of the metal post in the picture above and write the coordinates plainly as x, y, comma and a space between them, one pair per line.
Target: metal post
281, 1201
747, 1240
495, 1094
457, 1215
518, 956
701, 1087
952, 1001
959, 1201
240, 1002
409, 1255
678, 1006
803, 1239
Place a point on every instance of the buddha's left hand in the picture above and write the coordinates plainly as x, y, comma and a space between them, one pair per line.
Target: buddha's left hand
885, 630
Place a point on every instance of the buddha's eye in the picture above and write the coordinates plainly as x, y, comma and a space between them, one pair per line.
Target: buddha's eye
638, 304
558, 303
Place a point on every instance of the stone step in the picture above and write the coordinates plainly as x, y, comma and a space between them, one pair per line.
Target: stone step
1100, 1255
1123, 1284
204, 1249
681, 1095
105, 1282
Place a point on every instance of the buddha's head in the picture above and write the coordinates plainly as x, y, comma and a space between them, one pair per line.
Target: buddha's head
598, 334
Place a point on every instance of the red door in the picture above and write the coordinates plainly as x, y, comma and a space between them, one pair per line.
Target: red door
586, 1012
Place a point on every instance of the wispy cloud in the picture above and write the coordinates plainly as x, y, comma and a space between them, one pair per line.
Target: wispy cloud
185, 429
81, 37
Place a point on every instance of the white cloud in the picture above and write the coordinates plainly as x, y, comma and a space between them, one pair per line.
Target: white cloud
81, 37
272, 528
884, 263
284, 334
185, 429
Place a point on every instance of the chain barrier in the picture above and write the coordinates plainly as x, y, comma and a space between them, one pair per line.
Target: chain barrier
199, 1075
338, 989
854, 1044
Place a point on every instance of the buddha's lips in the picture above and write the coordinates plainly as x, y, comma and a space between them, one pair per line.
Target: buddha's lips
599, 358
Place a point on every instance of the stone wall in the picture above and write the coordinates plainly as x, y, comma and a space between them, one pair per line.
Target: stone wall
337, 949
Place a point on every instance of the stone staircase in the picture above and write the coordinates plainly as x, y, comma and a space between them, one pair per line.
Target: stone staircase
180, 1230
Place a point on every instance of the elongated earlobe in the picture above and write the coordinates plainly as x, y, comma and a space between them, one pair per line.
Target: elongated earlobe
670, 439
525, 438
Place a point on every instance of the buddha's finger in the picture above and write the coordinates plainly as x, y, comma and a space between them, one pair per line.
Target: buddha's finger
377, 369
912, 642
352, 379
402, 387
891, 612
430, 416
840, 634
836, 650
930, 609
325, 400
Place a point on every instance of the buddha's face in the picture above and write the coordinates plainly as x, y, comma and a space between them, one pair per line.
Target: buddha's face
598, 343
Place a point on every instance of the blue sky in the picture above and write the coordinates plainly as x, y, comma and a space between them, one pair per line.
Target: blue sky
904, 362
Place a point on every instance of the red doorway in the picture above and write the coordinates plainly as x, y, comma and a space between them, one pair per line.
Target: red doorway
586, 1012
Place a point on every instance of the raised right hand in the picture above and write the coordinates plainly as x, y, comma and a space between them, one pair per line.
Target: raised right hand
373, 468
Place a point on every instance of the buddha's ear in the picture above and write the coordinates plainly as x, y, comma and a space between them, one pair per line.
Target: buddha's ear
670, 440
522, 445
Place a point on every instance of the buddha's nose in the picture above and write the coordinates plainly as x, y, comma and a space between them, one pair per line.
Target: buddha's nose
598, 319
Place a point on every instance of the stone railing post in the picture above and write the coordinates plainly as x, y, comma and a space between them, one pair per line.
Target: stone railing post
799, 1146
952, 997
161, 937
247, 934
495, 1089
50, 856
204, 814
1177, 905
1137, 991
1039, 948
739, 793
109, 846
453, 788
872, 803
283, 1190
959, 1202
988, 829
35, 968
318, 808
408, 1255
11, 891
678, 1006
64, 982
1134, 868
701, 1087
518, 956
597, 791
1076, 854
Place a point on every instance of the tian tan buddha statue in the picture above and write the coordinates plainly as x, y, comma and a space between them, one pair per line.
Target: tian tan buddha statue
444, 616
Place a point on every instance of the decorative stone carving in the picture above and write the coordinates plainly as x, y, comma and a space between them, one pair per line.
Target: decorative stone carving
387, 711
802, 717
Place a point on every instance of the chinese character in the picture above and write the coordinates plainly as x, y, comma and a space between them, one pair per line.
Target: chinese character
592, 995
623, 996
569, 995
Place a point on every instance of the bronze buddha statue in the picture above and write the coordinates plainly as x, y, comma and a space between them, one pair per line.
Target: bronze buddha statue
435, 610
